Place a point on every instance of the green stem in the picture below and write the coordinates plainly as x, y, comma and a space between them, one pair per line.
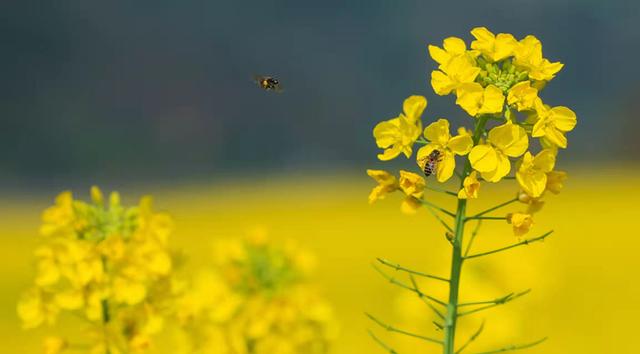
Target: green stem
456, 257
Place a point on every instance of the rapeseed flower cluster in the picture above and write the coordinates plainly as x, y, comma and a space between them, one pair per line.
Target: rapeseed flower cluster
255, 299
497, 80
108, 264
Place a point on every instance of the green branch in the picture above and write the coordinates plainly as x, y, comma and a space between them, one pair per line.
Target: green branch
398, 267
442, 191
446, 226
486, 218
425, 202
394, 281
471, 339
492, 209
382, 344
474, 233
433, 308
521, 243
496, 302
515, 347
400, 331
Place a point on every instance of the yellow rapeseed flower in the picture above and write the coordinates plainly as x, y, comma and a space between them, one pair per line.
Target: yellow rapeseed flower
440, 139
398, 135
553, 123
451, 48
532, 171
470, 186
523, 96
493, 47
475, 99
413, 186
528, 55
521, 222
387, 183
492, 158
555, 181
534, 205
458, 70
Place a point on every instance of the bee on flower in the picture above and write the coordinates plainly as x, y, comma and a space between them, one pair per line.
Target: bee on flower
498, 81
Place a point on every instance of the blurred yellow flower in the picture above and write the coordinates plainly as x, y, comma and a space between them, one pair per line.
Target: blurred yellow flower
493, 47
458, 70
555, 181
492, 158
523, 96
532, 171
553, 123
387, 183
534, 205
398, 135
108, 264
412, 184
528, 55
470, 187
53, 345
475, 99
440, 139
521, 223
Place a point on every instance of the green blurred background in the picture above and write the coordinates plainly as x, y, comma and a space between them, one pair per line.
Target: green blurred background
157, 98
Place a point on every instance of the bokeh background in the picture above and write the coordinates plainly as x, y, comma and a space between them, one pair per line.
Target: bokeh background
157, 98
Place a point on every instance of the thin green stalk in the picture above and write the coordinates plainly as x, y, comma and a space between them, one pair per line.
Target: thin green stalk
486, 218
420, 294
456, 257
382, 344
473, 337
426, 202
493, 208
454, 194
515, 347
400, 331
398, 267
521, 243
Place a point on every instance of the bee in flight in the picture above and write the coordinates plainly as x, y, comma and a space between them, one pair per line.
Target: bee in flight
268, 83
431, 162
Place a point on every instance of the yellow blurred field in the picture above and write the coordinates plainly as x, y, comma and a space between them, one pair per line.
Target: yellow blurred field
584, 277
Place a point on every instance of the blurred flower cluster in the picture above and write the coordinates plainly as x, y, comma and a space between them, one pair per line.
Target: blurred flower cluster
255, 299
497, 80
110, 266
107, 264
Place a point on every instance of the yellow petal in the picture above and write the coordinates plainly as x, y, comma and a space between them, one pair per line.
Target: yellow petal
483, 158
438, 132
503, 167
438, 54
511, 139
563, 118
545, 160
555, 136
493, 100
413, 107
410, 205
470, 97
387, 133
445, 167
454, 45
441, 83
460, 144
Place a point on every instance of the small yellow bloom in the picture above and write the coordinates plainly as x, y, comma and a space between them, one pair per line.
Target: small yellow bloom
475, 99
387, 183
528, 55
398, 135
457, 71
440, 139
532, 171
555, 181
521, 223
470, 187
493, 47
523, 96
410, 205
452, 47
53, 345
534, 205
412, 184
492, 158
553, 122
